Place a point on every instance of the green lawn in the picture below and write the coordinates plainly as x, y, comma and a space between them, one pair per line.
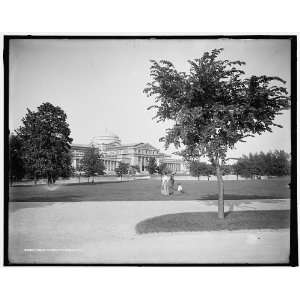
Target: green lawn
146, 190
208, 221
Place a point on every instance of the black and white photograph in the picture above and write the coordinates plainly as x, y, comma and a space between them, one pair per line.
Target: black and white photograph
150, 150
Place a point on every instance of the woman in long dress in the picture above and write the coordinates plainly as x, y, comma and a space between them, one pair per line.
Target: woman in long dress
165, 185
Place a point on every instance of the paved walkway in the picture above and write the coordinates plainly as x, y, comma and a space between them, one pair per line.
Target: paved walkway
104, 232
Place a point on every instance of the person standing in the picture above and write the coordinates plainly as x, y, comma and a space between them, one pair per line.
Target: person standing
165, 185
172, 182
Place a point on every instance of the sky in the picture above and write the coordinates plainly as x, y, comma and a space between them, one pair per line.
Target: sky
99, 83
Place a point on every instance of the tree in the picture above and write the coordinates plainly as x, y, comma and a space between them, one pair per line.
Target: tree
134, 169
45, 136
275, 163
122, 169
163, 169
92, 163
198, 169
238, 168
152, 166
213, 107
281, 163
16, 163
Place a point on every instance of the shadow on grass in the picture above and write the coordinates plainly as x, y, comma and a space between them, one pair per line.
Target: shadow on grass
236, 197
208, 221
52, 198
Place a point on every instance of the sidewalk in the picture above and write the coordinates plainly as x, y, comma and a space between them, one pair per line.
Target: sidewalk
104, 232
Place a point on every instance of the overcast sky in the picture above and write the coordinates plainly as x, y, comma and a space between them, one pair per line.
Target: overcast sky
99, 83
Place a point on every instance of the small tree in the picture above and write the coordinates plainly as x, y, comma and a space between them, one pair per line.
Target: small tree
46, 142
78, 171
198, 169
92, 163
238, 168
282, 163
163, 169
213, 107
136, 168
152, 166
122, 169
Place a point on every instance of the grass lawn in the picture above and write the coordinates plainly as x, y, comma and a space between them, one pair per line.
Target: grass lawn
208, 221
146, 190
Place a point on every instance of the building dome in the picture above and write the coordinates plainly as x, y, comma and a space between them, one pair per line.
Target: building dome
106, 138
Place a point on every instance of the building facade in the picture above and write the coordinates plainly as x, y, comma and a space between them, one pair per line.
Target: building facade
135, 154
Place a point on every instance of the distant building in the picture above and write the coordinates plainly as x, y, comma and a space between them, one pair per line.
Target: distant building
135, 154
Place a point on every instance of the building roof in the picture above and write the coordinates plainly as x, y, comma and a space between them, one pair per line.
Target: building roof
80, 146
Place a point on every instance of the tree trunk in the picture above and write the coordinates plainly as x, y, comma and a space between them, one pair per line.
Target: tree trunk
221, 193
208, 178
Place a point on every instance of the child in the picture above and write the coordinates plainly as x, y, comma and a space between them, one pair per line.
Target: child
179, 188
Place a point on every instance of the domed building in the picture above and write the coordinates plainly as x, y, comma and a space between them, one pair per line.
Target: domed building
106, 140
135, 154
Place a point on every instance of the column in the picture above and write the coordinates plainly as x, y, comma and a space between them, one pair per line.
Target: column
141, 163
74, 163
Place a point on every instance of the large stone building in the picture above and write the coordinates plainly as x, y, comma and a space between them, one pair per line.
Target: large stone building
135, 154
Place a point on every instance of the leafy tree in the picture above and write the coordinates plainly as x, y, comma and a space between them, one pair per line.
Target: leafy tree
152, 166
45, 136
135, 169
163, 169
92, 163
16, 163
275, 163
122, 169
227, 169
78, 171
281, 163
198, 169
213, 107
238, 168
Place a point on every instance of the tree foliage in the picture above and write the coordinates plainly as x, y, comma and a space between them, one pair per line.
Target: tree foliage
92, 163
16, 163
152, 165
122, 169
45, 136
134, 169
213, 106
275, 163
198, 169
163, 169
